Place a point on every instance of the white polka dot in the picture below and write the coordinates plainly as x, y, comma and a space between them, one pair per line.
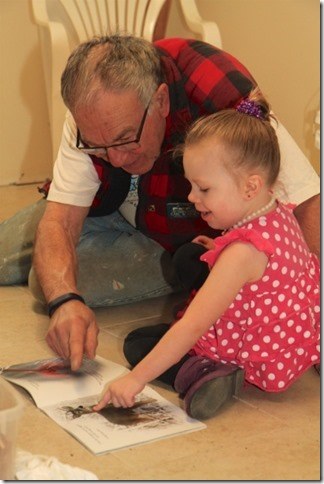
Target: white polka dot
275, 223
292, 273
264, 354
265, 278
290, 323
291, 340
281, 297
301, 295
271, 376
287, 255
285, 228
230, 325
307, 334
256, 348
294, 289
267, 301
280, 365
235, 335
281, 384
277, 328
264, 384
276, 283
245, 354
237, 313
314, 357
317, 309
287, 355
263, 367
296, 307
246, 306
282, 315
282, 334
230, 350
277, 237
258, 312
239, 297
213, 349
266, 319
274, 309
266, 339
224, 342
249, 337
294, 258
278, 251
265, 235
286, 240
275, 346
284, 270
298, 329
254, 287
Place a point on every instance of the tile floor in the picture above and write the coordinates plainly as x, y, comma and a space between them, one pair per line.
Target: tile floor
257, 437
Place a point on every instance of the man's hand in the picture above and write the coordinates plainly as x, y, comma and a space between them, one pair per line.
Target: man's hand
121, 392
73, 332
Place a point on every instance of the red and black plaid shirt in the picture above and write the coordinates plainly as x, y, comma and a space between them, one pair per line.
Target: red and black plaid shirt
202, 80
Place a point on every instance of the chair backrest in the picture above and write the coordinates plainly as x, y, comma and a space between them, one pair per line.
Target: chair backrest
63, 24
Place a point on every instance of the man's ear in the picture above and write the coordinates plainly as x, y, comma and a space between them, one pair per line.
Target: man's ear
252, 187
162, 99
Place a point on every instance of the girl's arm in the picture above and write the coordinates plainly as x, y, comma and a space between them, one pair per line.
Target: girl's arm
238, 264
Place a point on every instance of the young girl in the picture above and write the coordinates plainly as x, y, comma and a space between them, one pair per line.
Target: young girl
256, 317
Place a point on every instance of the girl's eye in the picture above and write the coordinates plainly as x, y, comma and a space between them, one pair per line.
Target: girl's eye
204, 190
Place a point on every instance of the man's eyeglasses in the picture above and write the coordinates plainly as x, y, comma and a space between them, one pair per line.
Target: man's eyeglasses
124, 146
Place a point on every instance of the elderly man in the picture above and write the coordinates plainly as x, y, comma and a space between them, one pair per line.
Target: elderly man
117, 207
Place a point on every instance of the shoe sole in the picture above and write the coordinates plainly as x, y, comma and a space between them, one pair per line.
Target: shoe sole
208, 395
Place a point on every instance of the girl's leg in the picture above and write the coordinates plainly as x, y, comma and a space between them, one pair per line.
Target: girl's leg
141, 341
191, 271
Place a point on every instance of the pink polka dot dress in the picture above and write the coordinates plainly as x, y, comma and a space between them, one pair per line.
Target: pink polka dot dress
272, 328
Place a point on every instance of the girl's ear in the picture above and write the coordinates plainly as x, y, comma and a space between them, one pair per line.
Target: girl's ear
253, 185
162, 99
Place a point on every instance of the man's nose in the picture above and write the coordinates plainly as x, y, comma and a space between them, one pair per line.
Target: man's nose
117, 158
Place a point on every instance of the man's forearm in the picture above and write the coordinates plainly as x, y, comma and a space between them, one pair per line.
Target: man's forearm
308, 216
54, 260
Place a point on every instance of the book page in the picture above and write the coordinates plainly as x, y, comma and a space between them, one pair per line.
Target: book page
53, 378
151, 418
68, 397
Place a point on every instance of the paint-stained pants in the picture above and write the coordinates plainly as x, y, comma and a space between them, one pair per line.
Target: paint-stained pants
117, 263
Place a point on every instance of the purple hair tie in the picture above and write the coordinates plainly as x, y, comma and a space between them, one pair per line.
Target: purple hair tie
246, 106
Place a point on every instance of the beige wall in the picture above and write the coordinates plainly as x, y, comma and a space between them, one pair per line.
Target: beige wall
278, 40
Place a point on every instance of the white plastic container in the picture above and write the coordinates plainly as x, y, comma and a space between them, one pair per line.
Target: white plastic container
11, 409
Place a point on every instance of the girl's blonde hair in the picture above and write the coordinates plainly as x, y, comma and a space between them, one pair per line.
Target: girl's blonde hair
248, 131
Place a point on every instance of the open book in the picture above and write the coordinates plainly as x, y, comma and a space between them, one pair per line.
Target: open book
68, 397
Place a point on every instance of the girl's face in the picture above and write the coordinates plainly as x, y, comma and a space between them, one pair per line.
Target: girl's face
217, 195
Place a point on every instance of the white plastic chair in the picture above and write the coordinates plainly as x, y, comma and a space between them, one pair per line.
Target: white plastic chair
63, 24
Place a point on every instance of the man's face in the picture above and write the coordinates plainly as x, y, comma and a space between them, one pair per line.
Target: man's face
115, 119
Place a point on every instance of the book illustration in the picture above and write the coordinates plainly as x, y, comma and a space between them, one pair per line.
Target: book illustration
152, 417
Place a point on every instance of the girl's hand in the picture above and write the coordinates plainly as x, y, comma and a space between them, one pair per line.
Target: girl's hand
121, 392
205, 241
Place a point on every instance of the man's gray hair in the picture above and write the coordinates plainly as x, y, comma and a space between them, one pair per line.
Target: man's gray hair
116, 63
